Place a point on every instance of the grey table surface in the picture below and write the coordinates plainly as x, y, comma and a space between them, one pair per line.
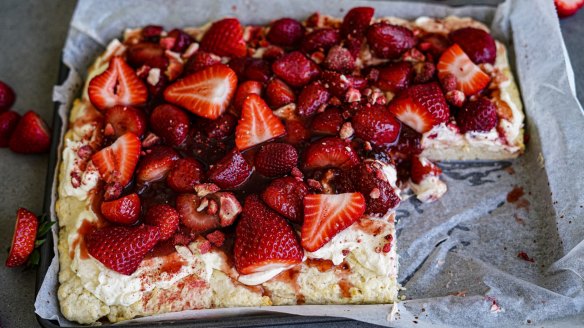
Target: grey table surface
32, 34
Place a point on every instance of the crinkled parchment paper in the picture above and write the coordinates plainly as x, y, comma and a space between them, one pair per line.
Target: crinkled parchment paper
459, 257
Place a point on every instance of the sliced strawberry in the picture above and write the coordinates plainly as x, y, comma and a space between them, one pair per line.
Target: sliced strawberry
356, 21
477, 115
369, 179
7, 97
125, 119
8, 122
117, 85
327, 215
389, 41
221, 128
146, 53
421, 107
165, 217
478, 44
296, 132
285, 196
264, 240
121, 248
31, 135
376, 124
170, 123
339, 59
185, 175
200, 60
285, 32
23, 239
421, 168
330, 152
116, 163
395, 77
225, 38
198, 220
470, 79
276, 159
156, 164
125, 210
567, 8
206, 93
311, 98
328, 122
321, 39
257, 124
231, 171
245, 89
295, 69
279, 94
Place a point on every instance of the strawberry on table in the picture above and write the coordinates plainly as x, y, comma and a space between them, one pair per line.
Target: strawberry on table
8, 122
117, 85
225, 38
7, 97
23, 239
470, 79
330, 152
257, 124
567, 8
327, 215
165, 217
31, 135
125, 210
264, 240
205, 93
276, 159
285, 196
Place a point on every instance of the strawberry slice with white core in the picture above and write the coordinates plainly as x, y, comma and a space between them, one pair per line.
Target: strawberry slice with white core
470, 79
205, 93
117, 85
257, 123
327, 215
330, 152
117, 162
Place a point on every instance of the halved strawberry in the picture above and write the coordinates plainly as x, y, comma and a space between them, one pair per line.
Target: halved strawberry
31, 135
278, 93
421, 107
421, 168
264, 240
330, 152
185, 175
126, 119
116, 163
146, 53
285, 32
276, 159
478, 44
206, 93
23, 239
328, 122
117, 85
225, 38
245, 89
200, 60
198, 220
320, 39
121, 248
295, 69
311, 98
231, 171
395, 77
257, 123
327, 215
470, 79
285, 196
125, 210
156, 164
170, 123
165, 217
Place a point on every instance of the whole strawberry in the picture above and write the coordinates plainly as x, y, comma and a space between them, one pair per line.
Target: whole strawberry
285, 196
389, 41
165, 217
31, 135
276, 159
479, 115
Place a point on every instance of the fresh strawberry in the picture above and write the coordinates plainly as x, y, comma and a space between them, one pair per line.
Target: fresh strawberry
327, 122
7, 97
117, 85
285, 196
339, 59
296, 132
311, 98
165, 217
125, 210
567, 8
395, 77
421, 168
320, 39
478, 115
8, 122
245, 89
257, 124
170, 123
121, 248
276, 159
125, 119
257, 69
327, 215
389, 41
150, 54
330, 152
221, 128
198, 220
31, 135
295, 69
264, 240
200, 60
156, 164
421, 107
376, 124
279, 94
116, 163
182, 40
356, 21
206, 93
285, 32
231, 171
23, 239
225, 38
338, 84
470, 79
185, 175
369, 179
478, 44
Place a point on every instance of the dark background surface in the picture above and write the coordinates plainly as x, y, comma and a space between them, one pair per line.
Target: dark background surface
32, 34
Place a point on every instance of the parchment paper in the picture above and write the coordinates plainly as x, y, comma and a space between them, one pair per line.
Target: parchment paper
458, 257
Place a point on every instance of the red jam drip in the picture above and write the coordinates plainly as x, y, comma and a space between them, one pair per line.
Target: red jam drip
291, 277
84, 229
321, 265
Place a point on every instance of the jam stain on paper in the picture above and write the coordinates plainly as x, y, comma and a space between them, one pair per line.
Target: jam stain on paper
515, 196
